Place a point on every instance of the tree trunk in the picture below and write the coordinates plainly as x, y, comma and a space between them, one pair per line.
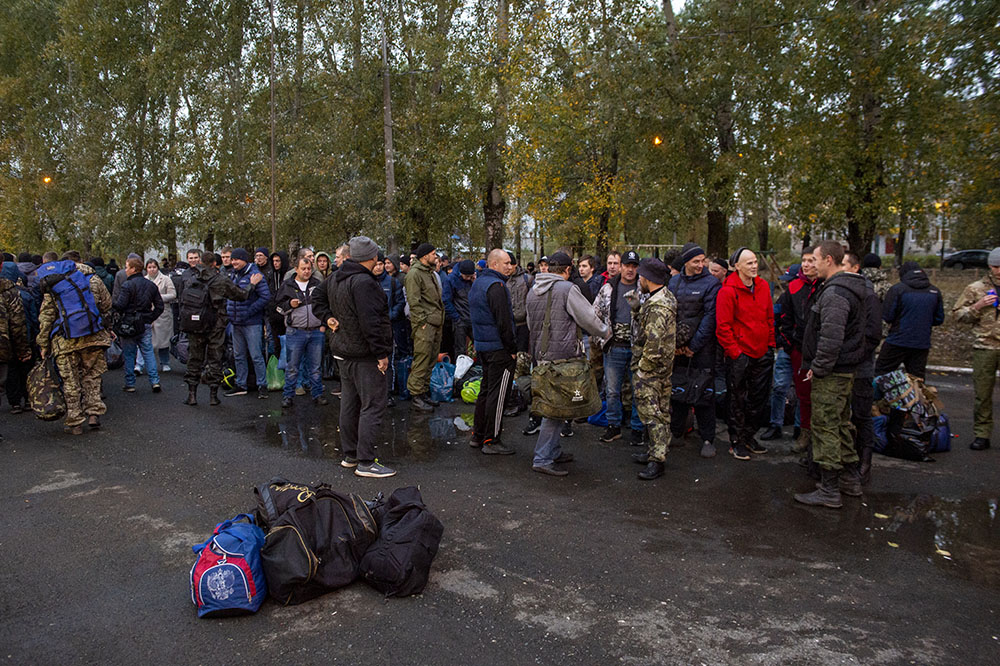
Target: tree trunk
904, 223
718, 222
494, 204
762, 228
390, 159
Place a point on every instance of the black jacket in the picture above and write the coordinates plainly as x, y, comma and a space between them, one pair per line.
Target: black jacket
834, 336
137, 294
355, 299
912, 307
289, 290
873, 331
793, 311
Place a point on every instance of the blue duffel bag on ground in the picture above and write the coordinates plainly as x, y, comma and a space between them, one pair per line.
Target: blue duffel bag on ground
228, 576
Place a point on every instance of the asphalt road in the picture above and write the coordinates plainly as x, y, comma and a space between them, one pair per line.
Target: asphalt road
712, 564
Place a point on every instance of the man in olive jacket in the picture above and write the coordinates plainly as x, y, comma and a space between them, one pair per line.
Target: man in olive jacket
423, 294
353, 305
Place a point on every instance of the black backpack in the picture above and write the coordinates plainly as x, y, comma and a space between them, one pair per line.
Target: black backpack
197, 313
315, 540
399, 562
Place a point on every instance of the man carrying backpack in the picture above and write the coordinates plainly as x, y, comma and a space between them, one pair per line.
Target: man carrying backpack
203, 317
140, 305
73, 323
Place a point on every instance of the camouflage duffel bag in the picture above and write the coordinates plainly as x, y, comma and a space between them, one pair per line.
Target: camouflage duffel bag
45, 391
564, 389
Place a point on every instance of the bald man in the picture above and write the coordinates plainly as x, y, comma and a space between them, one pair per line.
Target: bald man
496, 343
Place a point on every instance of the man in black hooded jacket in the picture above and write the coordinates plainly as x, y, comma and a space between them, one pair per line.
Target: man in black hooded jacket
354, 307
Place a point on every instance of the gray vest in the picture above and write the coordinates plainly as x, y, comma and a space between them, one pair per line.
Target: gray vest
563, 339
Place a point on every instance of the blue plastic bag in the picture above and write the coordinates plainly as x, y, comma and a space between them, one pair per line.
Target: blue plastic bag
443, 381
600, 419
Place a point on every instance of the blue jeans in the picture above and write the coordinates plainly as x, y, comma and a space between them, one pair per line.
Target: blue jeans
306, 348
248, 340
144, 343
548, 448
618, 366
779, 389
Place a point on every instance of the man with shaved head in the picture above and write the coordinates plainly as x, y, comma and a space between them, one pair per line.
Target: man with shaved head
493, 335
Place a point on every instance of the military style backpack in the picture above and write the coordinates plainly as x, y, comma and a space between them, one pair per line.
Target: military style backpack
197, 312
70, 289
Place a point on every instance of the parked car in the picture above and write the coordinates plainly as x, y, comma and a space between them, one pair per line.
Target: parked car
967, 259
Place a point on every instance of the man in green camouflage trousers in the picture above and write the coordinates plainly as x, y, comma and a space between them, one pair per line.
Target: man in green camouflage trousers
653, 363
978, 306
81, 361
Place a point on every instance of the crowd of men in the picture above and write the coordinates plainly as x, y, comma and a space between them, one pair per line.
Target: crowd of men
662, 338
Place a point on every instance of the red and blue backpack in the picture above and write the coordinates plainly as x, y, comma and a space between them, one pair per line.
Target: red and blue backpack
228, 577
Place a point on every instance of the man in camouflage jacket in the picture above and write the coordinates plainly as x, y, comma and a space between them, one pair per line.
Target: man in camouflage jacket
13, 328
80, 361
978, 306
653, 363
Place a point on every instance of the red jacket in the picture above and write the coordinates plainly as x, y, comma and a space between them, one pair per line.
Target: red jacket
744, 320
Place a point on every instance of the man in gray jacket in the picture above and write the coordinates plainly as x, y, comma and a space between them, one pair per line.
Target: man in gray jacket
570, 309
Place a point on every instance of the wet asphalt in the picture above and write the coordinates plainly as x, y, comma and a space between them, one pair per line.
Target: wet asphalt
712, 564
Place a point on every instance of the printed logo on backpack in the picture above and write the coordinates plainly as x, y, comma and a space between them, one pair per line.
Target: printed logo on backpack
228, 577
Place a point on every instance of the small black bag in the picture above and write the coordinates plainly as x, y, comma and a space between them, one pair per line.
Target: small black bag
692, 386
399, 562
128, 324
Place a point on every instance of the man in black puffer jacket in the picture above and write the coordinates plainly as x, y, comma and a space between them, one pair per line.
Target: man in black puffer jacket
833, 348
353, 305
912, 307
138, 299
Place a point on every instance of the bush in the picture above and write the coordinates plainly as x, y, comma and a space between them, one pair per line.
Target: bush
924, 260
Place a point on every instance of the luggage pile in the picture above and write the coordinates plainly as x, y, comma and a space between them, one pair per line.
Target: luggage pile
306, 540
910, 424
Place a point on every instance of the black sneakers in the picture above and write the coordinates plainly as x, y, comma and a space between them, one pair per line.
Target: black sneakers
739, 452
497, 448
235, 391
262, 393
534, 425
611, 434
755, 447
567, 429
375, 470
420, 403
772, 432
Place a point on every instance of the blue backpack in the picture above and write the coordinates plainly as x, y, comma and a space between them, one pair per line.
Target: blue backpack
228, 576
70, 289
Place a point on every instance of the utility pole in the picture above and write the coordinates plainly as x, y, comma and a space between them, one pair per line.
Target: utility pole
274, 206
390, 166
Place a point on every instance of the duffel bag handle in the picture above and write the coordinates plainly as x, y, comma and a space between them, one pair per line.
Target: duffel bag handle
221, 526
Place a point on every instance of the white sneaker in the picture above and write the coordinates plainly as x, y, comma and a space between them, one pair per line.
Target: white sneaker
165, 368
138, 370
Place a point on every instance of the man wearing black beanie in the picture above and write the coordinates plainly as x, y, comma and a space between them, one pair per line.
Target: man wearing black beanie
423, 293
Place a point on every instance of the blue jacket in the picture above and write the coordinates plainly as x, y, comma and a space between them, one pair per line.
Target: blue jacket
491, 314
455, 295
912, 307
695, 296
250, 311
394, 293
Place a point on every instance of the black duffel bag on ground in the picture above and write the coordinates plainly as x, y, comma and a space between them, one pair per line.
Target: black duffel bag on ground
399, 562
315, 540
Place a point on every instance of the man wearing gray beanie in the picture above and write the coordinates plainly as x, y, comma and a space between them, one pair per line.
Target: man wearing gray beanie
978, 306
352, 304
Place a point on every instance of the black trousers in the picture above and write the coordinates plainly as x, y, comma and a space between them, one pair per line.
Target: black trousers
205, 357
748, 383
17, 381
914, 360
498, 373
363, 398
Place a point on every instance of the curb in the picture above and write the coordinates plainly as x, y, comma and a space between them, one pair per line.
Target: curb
950, 369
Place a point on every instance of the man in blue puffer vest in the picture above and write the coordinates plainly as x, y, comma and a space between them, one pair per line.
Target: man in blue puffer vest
695, 289
496, 343
247, 318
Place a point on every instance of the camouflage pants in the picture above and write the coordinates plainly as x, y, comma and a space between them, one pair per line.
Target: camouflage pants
81, 375
652, 400
205, 357
832, 430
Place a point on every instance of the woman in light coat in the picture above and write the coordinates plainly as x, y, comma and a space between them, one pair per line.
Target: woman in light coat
163, 328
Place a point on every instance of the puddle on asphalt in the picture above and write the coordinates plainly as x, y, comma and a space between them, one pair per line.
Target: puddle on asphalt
960, 536
313, 432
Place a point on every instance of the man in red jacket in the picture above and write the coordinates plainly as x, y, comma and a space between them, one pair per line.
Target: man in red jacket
744, 316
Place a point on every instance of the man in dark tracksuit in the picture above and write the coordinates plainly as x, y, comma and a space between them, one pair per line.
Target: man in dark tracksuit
863, 395
205, 349
912, 307
353, 305
493, 334
833, 347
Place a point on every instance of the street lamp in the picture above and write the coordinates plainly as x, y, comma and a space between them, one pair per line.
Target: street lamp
47, 179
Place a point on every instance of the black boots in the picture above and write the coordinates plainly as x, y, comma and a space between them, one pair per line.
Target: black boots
980, 444
850, 480
772, 433
865, 465
192, 398
828, 492
213, 395
422, 403
654, 470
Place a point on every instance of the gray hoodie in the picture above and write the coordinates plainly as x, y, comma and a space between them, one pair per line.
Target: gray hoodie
569, 309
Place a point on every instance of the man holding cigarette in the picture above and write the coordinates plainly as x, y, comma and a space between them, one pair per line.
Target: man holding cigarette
353, 305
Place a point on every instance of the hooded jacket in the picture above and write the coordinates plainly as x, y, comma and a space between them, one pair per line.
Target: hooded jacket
249, 312
834, 337
353, 296
570, 309
394, 296
275, 276
744, 318
423, 293
911, 307
793, 309
519, 283
322, 275
455, 295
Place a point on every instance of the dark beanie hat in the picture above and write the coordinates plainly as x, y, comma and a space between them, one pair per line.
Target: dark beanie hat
690, 251
241, 254
678, 263
653, 270
404, 259
466, 267
262, 250
909, 267
24, 257
380, 256
560, 259
424, 249
735, 257
871, 260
